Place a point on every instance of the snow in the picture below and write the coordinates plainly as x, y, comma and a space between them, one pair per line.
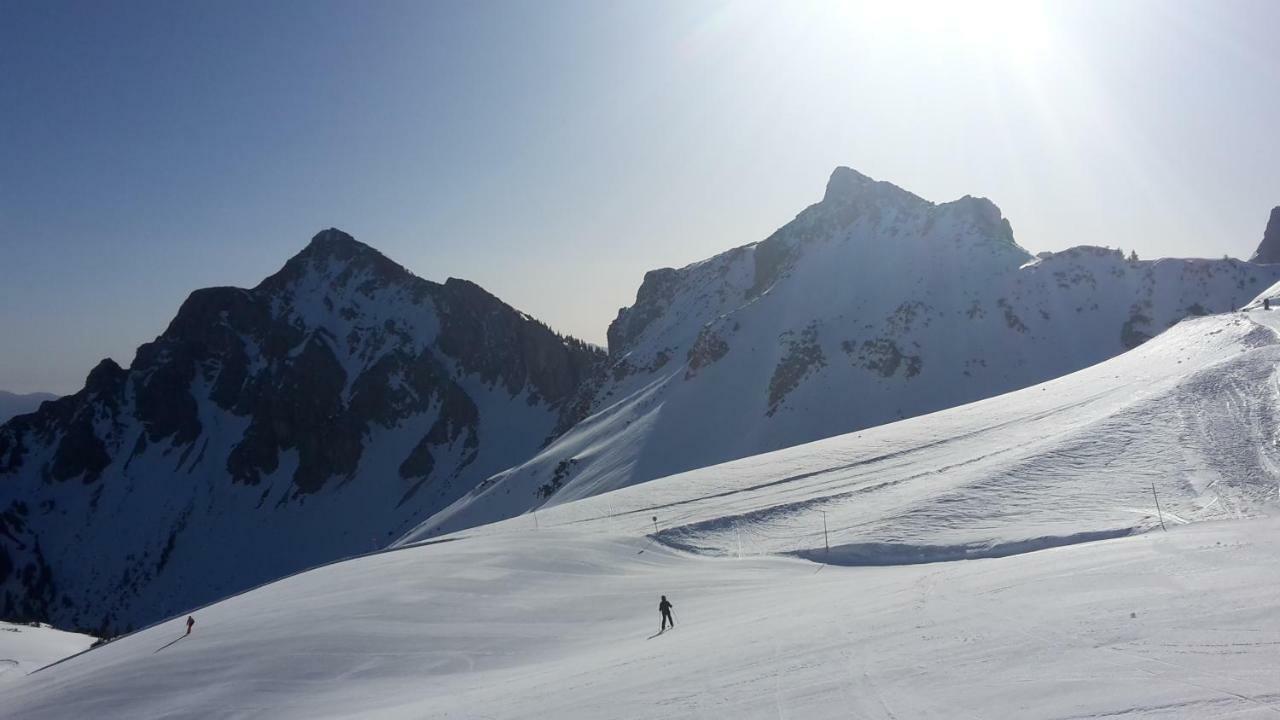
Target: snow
558, 623
1272, 293
26, 648
887, 306
555, 615
372, 323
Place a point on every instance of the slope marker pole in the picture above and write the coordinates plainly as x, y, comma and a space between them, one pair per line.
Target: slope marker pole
825, 542
535, 519
1158, 512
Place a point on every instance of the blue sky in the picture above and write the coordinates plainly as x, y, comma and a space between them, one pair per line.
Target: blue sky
555, 151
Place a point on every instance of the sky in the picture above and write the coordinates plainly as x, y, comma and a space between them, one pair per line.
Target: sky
553, 152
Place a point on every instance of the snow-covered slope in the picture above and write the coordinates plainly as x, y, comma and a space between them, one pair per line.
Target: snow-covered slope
319, 415
554, 615
26, 648
12, 404
871, 306
1194, 412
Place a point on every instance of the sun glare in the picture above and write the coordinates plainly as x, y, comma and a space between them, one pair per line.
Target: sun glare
999, 30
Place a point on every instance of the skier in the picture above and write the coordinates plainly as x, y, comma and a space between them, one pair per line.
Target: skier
191, 621
664, 607
1266, 303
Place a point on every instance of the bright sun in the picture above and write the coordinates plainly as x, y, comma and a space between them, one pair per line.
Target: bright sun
1014, 27
1014, 31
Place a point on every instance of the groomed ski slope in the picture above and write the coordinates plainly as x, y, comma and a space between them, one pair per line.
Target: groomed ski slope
552, 616
1193, 412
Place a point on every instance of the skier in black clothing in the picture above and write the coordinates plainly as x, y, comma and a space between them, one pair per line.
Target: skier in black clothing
664, 607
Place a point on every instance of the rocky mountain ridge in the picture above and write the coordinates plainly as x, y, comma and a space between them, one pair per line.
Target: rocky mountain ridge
270, 429
873, 305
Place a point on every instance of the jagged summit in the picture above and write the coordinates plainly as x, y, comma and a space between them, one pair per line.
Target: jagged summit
333, 252
851, 196
845, 182
103, 375
847, 185
335, 237
1269, 249
336, 244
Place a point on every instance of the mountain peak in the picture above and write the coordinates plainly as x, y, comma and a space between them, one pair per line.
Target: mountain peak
1269, 249
342, 377
333, 238
333, 247
845, 182
847, 185
336, 243
106, 375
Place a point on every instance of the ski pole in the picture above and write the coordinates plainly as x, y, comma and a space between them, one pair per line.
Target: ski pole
1158, 512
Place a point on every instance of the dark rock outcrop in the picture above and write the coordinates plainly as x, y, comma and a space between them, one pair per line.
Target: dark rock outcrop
1269, 249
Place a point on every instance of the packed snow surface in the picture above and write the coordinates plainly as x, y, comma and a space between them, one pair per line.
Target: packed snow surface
26, 648
554, 615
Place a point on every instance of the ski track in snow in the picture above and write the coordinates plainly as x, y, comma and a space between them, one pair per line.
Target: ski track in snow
554, 617
556, 626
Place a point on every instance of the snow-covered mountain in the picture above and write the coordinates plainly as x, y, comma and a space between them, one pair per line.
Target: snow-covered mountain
12, 404
871, 306
320, 414
556, 617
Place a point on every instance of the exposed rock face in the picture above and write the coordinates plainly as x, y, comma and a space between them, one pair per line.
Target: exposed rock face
315, 416
870, 306
1269, 249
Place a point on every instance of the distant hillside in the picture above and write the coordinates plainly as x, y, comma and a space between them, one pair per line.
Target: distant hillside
12, 404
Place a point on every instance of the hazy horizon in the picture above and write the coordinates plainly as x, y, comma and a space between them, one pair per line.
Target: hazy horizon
555, 152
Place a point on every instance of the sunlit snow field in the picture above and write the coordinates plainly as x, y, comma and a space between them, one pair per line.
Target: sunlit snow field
26, 648
556, 615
